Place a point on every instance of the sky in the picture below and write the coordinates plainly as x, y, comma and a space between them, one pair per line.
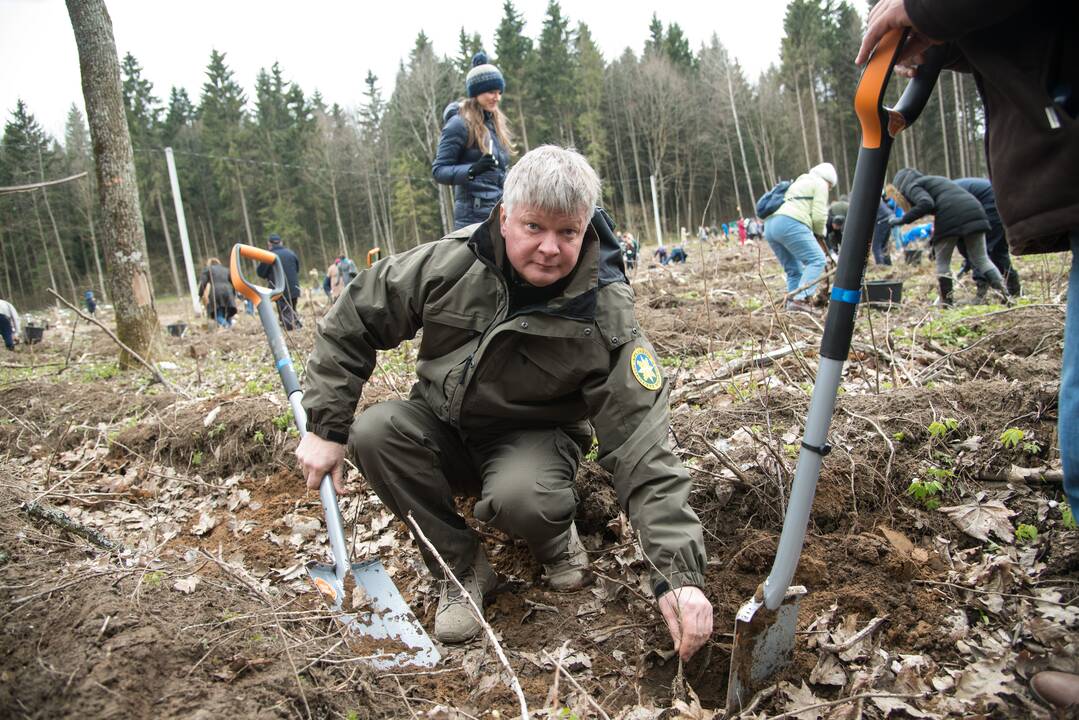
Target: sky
330, 45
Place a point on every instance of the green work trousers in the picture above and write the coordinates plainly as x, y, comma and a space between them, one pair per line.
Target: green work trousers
523, 479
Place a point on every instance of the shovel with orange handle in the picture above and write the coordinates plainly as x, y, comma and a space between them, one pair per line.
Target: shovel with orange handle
765, 625
377, 612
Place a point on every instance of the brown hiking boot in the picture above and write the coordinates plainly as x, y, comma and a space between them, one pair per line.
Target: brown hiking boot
455, 621
1059, 690
570, 570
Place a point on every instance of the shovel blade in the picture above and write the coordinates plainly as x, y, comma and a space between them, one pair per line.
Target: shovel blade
377, 613
763, 644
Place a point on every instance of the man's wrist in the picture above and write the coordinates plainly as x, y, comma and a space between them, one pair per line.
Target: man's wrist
330, 434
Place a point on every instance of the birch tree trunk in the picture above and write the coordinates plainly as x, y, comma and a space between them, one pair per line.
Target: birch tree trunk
243, 209
816, 118
944, 131
118, 191
168, 245
59, 246
738, 129
959, 142
41, 234
802, 119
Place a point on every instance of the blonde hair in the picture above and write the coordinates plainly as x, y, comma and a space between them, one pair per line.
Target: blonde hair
212, 261
478, 135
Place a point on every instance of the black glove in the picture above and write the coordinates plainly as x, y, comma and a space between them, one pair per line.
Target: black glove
485, 163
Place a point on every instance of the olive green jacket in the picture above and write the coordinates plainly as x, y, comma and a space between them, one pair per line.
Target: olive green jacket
579, 357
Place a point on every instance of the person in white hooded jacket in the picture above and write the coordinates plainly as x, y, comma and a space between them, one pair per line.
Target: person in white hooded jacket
790, 231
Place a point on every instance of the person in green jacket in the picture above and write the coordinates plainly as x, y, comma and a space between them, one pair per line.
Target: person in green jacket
529, 345
790, 232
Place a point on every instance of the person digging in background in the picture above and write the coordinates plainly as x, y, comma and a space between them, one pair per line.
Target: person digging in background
9, 324
289, 301
793, 229
90, 301
957, 217
215, 289
473, 151
528, 334
996, 246
1025, 59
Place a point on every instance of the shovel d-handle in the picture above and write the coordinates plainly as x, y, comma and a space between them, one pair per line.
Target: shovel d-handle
255, 293
291, 383
878, 127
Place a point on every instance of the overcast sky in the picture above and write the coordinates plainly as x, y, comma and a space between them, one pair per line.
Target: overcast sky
329, 45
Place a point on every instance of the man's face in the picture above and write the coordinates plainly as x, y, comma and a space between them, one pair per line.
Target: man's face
542, 246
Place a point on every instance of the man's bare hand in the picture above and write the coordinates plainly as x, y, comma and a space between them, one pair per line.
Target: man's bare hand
889, 15
318, 457
689, 619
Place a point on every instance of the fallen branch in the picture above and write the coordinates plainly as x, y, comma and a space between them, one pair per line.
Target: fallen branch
843, 701
153, 370
724, 459
853, 639
59, 519
34, 186
822, 276
1016, 474
515, 684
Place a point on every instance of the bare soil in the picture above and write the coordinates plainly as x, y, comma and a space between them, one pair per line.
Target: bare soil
207, 610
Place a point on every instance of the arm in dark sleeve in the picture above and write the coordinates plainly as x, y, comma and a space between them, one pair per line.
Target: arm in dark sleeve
451, 146
951, 20
265, 270
204, 280
921, 204
653, 487
380, 309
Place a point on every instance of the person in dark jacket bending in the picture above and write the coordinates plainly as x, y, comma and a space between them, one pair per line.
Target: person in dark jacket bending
289, 301
215, 289
958, 217
1024, 56
996, 246
473, 152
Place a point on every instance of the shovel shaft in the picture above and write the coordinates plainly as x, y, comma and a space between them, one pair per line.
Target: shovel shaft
879, 124
261, 296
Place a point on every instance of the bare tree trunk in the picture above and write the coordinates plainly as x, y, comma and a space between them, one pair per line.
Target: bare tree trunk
168, 245
843, 149
321, 243
960, 144
337, 216
524, 126
944, 130
816, 118
243, 209
738, 128
637, 170
97, 259
737, 195
59, 245
123, 235
802, 119
41, 234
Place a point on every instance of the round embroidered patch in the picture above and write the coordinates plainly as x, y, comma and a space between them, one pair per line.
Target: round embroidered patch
645, 369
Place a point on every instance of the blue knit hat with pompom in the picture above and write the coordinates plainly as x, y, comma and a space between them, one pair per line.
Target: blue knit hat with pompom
483, 77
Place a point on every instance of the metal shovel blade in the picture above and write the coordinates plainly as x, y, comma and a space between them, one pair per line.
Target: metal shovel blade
378, 613
763, 643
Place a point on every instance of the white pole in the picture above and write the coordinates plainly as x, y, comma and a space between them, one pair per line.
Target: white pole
655, 210
182, 222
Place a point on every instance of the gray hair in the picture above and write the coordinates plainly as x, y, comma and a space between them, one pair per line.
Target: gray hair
554, 179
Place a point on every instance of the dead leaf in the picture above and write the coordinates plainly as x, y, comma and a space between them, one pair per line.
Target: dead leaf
206, 523
693, 709
186, 585
211, 416
980, 519
828, 671
898, 540
800, 697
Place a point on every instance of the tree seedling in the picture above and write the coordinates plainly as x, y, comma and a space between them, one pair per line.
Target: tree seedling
926, 492
1026, 533
1011, 438
1067, 519
939, 429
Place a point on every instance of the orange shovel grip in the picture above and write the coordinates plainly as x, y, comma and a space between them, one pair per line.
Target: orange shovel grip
238, 281
869, 98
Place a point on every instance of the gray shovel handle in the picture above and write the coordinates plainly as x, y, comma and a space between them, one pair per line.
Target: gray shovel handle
262, 297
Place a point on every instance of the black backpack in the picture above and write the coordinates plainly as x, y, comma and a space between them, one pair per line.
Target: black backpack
773, 199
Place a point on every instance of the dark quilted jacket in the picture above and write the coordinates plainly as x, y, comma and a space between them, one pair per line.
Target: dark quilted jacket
957, 212
473, 199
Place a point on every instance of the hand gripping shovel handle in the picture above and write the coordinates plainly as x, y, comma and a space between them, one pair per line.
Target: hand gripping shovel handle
879, 126
261, 297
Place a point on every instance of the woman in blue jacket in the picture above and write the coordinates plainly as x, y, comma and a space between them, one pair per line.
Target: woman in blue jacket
473, 152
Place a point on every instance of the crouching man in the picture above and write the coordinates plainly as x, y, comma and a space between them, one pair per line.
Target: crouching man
528, 334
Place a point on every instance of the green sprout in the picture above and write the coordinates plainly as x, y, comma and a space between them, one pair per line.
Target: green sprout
926, 492
1026, 533
938, 429
196, 458
1011, 437
1067, 519
899, 436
